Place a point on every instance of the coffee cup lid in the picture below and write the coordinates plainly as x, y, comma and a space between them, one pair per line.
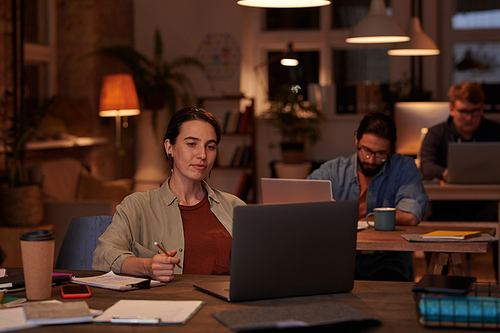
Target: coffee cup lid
38, 235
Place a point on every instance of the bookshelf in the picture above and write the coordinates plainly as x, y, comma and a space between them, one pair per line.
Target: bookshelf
235, 168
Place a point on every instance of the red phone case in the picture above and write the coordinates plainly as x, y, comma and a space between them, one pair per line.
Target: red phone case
75, 295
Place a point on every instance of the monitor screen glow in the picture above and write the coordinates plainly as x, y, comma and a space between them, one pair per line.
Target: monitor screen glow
411, 117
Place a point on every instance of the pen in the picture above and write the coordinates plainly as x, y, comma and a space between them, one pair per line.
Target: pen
163, 250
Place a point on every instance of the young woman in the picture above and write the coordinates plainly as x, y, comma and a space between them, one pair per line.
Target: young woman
192, 221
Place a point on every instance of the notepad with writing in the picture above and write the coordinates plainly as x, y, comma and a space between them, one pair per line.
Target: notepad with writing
112, 281
451, 234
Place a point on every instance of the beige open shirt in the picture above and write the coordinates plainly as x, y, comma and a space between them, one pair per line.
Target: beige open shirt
143, 218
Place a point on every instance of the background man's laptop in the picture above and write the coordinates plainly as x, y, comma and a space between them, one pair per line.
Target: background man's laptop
281, 190
474, 162
290, 250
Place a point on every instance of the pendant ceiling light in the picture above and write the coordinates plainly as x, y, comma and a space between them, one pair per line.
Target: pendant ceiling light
290, 57
377, 27
420, 43
284, 3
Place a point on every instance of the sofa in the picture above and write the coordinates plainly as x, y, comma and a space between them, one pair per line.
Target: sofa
70, 190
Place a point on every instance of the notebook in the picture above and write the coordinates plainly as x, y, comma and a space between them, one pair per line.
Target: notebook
289, 250
282, 190
474, 162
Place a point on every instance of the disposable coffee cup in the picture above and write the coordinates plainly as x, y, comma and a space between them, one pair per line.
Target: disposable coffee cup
37, 249
384, 219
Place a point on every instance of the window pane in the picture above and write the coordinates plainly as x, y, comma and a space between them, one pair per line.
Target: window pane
360, 77
480, 62
306, 72
471, 15
292, 18
36, 83
36, 27
347, 13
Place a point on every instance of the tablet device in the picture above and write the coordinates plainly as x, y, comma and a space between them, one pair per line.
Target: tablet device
443, 284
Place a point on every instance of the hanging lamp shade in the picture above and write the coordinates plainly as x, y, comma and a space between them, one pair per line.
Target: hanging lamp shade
290, 58
118, 96
377, 27
283, 3
420, 43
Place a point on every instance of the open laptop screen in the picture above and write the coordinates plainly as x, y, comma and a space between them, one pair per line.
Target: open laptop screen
282, 190
474, 162
290, 250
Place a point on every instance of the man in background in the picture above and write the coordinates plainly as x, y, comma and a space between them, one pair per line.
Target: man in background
377, 178
465, 124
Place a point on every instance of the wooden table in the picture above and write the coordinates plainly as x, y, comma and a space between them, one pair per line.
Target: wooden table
466, 192
390, 302
370, 239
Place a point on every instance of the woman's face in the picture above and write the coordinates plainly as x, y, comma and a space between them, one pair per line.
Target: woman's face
194, 151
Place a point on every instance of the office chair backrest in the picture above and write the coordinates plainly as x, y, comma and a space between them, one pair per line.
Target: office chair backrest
80, 242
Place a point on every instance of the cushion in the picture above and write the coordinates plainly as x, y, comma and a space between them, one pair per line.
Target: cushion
58, 179
92, 188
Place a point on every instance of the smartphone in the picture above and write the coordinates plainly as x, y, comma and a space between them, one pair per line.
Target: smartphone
75, 291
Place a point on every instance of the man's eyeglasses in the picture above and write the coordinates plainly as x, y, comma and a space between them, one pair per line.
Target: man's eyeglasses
473, 113
379, 155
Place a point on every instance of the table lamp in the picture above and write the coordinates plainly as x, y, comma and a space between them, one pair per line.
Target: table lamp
118, 99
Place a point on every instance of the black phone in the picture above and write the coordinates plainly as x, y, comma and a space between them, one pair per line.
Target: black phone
75, 291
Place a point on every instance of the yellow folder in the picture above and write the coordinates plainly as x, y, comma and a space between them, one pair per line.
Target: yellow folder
451, 234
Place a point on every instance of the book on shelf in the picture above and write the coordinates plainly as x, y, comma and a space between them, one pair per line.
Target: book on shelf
236, 121
238, 152
451, 234
233, 119
244, 186
243, 126
242, 157
246, 157
227, 115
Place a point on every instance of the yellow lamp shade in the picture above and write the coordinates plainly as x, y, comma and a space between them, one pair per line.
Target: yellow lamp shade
118, 96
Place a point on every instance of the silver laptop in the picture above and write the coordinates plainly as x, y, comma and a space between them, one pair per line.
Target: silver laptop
290, 250
282, 190
474, 162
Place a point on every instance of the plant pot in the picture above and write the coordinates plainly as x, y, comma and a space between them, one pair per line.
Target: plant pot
292, 152
22, 206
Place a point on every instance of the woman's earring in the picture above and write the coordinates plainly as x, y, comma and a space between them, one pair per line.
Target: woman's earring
209, 173
171, 162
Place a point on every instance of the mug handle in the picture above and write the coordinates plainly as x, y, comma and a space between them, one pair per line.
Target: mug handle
368, 222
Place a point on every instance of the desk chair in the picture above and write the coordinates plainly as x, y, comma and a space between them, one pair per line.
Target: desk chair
80, 242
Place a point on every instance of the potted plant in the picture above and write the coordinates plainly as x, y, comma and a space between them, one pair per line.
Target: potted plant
158, 82
297, 121
21, 201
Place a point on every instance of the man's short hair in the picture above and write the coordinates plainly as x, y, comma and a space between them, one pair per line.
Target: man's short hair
378, 124
466, 91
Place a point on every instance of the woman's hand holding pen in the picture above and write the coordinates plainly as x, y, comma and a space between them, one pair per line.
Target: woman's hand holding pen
162, 266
